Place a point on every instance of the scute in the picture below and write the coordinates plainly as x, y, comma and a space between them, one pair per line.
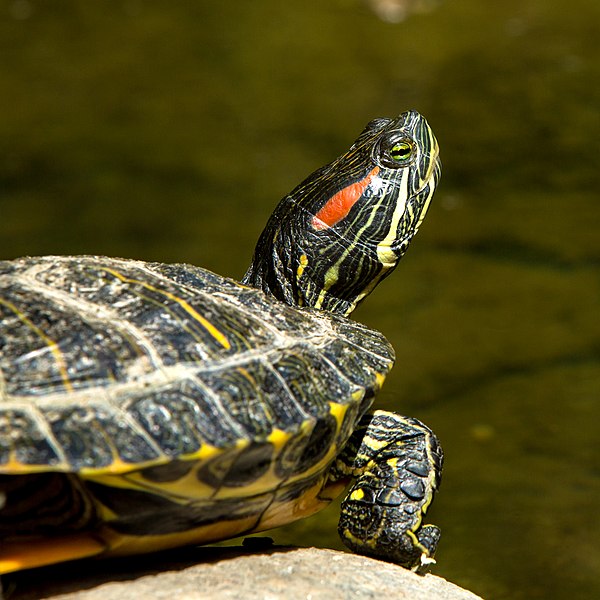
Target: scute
47, 347
181, 416
113, 365
24, 442
96, 435
317, 444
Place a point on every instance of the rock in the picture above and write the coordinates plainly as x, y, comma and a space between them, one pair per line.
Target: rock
232, 573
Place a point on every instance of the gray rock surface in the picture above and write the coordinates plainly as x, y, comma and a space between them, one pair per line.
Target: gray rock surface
228, 573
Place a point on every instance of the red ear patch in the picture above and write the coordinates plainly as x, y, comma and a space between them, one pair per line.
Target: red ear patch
339, 205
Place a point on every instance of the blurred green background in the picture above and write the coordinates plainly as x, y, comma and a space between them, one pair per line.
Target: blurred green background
169, 130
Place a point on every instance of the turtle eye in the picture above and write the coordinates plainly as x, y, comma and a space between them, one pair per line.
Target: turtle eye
401, 151
395, 151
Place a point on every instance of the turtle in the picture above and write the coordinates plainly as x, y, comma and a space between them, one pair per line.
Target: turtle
146, 406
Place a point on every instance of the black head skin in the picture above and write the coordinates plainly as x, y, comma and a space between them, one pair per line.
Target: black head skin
344, 228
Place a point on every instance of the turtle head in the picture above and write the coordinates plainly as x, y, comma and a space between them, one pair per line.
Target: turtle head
343, 229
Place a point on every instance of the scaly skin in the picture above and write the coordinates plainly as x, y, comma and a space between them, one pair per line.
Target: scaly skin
397, 463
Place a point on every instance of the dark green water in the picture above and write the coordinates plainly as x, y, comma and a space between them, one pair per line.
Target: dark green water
168, 131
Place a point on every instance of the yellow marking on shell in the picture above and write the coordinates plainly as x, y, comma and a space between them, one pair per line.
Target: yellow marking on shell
357, 494
279, 510
212, 330
126, 481
187, 487
116, 468
207, 452
119, 467
338, 411
357, 395
379, 379
245, 373
301, 266
278, 438
190, 487
15, 467
52, 345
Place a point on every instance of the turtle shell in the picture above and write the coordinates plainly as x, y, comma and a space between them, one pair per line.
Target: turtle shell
150, 381
109, 364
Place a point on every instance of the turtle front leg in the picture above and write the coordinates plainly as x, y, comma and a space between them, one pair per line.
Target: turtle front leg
397, 462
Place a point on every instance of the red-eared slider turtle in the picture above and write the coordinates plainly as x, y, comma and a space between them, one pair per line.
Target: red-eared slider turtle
145, 406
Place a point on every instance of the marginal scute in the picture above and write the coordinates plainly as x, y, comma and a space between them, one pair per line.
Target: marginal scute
348, 423
357, 365
255, 397
182, 416
297, 489
313, 380
318, 444
289, 455
94, 436
137, 509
